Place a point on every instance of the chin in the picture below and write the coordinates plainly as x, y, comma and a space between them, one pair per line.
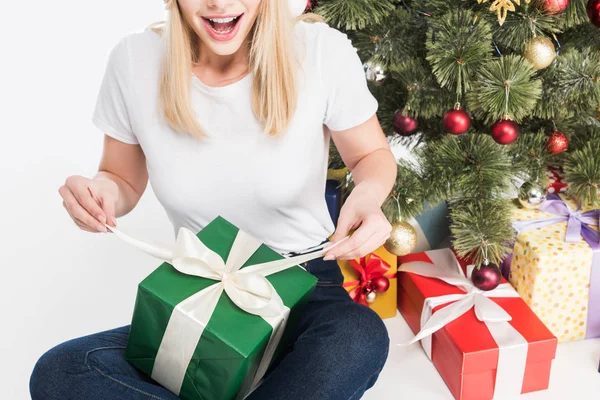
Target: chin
223, 49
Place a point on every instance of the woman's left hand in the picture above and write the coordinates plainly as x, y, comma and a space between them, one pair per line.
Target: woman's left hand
360, 210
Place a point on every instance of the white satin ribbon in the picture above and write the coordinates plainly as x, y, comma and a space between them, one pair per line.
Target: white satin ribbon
511, 344
247, 288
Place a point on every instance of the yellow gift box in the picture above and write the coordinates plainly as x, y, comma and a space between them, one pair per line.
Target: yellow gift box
385, 302
553, 275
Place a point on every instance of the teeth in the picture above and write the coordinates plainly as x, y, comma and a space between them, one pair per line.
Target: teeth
222, 20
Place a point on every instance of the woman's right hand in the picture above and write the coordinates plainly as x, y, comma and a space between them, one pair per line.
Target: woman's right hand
90, 202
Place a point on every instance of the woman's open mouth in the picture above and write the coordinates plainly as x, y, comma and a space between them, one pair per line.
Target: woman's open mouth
222, 28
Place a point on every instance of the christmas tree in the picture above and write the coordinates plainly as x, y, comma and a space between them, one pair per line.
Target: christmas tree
488, 95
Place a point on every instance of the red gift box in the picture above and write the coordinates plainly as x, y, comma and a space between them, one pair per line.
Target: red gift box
464, 351
556, 183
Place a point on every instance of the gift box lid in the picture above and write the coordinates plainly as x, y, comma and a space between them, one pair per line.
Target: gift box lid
466, 339
171, 287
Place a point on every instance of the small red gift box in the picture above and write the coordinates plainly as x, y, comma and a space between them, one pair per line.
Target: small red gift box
493, 345
556, 183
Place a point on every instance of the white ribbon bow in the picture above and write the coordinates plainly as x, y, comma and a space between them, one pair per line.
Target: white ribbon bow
247, 288
512, 346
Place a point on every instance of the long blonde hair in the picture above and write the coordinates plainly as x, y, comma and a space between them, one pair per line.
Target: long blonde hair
272, 60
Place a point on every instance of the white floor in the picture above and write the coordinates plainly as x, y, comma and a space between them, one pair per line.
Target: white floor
408, 373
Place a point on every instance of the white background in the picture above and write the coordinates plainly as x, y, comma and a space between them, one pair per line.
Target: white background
58, 282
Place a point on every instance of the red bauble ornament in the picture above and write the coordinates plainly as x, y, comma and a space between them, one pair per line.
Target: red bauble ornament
557, 143
552, 7
456, 121
404, 125
593, 11
505, 131
380, 284
486, 277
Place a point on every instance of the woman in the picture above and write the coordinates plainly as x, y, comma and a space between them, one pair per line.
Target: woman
248, 139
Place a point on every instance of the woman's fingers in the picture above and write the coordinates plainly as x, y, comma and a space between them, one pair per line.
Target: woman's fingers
108, 206
371, 234
77, 211
82, 226
370, 245
84, 197
345, 250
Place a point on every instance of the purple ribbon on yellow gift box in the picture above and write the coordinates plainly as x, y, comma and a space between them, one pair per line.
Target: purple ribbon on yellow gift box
578, 226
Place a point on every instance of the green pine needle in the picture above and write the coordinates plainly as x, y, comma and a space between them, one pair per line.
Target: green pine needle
407, 196
487, 100
478, 223
582, 172
457, 46
530, 156
469, 166
396, 37
354, 14
526, 23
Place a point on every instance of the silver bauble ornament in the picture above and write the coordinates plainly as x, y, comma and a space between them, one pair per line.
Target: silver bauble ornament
374, 72
532, 195
371, 297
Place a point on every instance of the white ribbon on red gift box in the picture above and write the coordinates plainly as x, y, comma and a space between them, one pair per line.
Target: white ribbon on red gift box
246, 287
512, 345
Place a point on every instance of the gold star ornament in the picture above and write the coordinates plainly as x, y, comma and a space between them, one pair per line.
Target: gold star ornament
502, 7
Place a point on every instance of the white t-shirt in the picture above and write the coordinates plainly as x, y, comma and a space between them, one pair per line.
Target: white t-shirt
271, 187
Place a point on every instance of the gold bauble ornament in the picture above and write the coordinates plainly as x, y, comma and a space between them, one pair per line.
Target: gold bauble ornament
402, 240
540, 52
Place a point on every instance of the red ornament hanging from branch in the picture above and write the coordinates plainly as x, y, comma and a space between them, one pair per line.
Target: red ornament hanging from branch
505, 131
552, 7
593, 11
557, 143
456, 121
404, 125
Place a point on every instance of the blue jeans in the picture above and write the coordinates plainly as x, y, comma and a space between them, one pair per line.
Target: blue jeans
338, 350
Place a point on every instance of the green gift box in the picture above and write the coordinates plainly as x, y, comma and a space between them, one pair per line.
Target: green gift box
225, 357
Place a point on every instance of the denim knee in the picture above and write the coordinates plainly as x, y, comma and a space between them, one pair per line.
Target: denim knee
365, 336
49, 378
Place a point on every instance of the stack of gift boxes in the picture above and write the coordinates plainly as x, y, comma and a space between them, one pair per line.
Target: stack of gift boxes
484, 344
554, 278
497, 343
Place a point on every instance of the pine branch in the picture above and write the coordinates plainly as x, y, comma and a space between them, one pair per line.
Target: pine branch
457, 45
407, 197
469, 166
397, 37
479, 223
530, 157
583, 135
423, 95
575, 14
584, 35
526, 23
354, 14
582, 171
487, 100
577, 79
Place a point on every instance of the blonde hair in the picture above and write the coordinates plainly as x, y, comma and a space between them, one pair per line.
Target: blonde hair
271, 58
